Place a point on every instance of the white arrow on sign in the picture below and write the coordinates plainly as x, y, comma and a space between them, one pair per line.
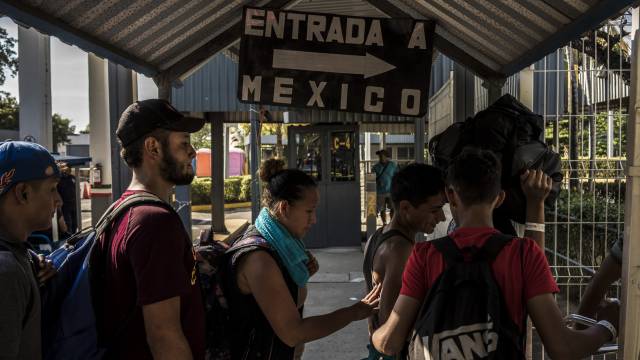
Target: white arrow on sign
367, 65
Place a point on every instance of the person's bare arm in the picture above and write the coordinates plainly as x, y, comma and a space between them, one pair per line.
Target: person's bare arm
609, 272
164, 330
560, 341
390, 338
392, 256
268, 287
536, 186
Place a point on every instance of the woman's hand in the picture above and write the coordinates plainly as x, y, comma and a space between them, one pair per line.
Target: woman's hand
312, 264
368, 305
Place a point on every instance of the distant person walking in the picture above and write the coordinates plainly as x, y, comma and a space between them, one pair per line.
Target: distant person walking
67, 190
384, 170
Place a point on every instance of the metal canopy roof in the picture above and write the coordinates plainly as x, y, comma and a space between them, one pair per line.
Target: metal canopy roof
168, 39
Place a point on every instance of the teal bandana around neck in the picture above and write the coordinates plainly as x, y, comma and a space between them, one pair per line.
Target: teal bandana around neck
290, 249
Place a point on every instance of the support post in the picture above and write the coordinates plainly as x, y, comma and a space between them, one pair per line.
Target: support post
34, 79
217, 172
420, 139
367, 146
463, 93
494, 89
100, 136
629, 337
226, 151
526, 87
254, 162
121, 94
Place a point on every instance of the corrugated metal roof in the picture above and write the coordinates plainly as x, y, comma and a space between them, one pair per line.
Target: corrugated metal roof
168, 38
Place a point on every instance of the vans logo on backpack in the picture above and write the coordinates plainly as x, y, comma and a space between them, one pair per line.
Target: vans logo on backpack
467, 342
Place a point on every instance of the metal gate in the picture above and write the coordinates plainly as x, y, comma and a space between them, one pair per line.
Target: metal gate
329, 153
582, 90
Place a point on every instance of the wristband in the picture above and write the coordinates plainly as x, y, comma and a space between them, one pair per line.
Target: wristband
609, 326
534, 227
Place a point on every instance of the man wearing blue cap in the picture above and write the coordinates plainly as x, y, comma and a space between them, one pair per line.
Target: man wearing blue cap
28, 201
152, 305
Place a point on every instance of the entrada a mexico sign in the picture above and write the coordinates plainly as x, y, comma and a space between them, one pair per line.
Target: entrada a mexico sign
335, 62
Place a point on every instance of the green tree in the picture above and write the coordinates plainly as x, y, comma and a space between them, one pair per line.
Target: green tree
62, 128
202, 138
9, 112
8, 58
87, 129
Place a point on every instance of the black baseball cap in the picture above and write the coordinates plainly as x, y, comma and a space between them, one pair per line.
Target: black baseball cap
142, 117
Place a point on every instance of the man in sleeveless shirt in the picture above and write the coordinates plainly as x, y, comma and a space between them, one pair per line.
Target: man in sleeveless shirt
417, 192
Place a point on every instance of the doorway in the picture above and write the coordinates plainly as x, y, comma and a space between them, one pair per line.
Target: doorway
329, 154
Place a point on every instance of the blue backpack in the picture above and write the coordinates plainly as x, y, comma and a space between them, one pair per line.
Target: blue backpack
69, 326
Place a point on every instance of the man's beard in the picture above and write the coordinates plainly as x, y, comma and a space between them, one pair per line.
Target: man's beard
171, 170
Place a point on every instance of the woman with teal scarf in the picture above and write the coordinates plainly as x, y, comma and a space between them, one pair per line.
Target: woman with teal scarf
267, 278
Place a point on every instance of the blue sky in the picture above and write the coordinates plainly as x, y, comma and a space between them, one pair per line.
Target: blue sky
69, 80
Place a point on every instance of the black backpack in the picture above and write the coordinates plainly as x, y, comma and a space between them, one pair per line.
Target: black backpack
464, 315
212, 256
513, 133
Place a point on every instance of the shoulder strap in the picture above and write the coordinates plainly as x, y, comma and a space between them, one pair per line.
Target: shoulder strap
489, 251
391, 233
447, 247
384, 168
494, 245
116, 209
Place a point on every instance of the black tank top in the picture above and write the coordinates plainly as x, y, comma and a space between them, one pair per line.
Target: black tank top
370, 250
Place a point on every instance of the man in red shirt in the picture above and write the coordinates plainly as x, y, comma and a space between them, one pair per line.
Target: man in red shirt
152, 307
473, 190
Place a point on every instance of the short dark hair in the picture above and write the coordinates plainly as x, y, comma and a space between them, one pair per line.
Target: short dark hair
416, 183
132, 153
475, 175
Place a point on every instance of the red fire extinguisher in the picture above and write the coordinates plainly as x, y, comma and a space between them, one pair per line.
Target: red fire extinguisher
96, 175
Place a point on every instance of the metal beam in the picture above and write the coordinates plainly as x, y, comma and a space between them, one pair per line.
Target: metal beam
439, 42
629, 330
213, 46
589, 20
47, 24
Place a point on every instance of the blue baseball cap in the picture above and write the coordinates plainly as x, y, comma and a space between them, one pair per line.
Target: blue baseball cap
22, 161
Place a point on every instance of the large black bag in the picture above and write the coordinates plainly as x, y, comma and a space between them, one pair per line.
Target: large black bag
513, 133
464, 315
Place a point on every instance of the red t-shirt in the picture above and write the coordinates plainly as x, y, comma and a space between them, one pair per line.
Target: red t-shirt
150, 260
426, 263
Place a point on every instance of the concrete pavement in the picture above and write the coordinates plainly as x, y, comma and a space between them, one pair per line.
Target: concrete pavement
337, 284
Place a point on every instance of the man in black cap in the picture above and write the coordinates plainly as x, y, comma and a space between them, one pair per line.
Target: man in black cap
153, 307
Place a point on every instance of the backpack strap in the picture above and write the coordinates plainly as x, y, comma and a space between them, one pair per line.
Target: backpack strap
394, 232
447, 247
494, 245
118, 208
